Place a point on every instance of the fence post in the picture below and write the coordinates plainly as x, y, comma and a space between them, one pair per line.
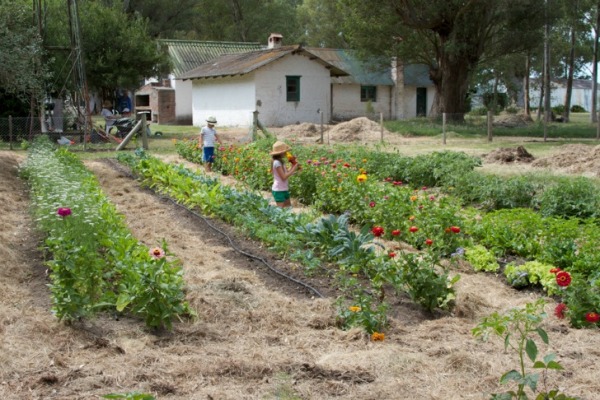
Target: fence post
444, 128
254, 124
10, 137
490, 119
598, 129
381, 124
144, 132
322, 139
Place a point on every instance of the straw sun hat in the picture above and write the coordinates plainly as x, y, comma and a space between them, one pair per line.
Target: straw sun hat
280, 148
211, 120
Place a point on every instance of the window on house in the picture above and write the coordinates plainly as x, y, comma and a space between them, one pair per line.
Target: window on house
368, 93
292, 84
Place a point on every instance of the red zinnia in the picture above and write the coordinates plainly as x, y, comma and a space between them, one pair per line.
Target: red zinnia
455, 229
396, 232
563, 278
560, 309
392, 254
592, 317
555, 270
377, 231
413, 229
428, 242
372, 204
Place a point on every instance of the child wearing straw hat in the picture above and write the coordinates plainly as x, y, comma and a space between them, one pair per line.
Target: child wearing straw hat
281, 174
208, 137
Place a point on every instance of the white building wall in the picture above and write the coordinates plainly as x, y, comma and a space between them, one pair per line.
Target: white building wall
410, 101
231, 100
347, 104
315, 92
183, 100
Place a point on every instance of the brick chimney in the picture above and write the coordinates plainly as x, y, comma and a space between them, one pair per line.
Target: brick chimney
275, 40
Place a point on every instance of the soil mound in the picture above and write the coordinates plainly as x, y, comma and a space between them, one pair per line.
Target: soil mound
508, 155
305, 129
512, 120
573, 158
355, 130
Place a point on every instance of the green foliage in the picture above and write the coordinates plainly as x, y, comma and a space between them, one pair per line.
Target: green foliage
578, 109
481, 259
518, 327
21, 52
571, 197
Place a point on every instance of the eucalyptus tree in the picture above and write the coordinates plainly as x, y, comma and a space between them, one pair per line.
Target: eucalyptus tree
451, 36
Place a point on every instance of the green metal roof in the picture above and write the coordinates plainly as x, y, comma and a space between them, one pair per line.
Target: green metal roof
364, 73
189, 54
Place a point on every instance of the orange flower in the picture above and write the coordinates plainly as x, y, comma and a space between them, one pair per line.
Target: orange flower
377, 337
354, 308
413, 198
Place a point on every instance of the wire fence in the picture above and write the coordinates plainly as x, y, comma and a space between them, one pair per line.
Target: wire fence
14, 130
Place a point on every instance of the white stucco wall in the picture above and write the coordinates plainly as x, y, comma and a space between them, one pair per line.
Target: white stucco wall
315, 87
347, 104
183, 99
580, 97
231, 100
410, 101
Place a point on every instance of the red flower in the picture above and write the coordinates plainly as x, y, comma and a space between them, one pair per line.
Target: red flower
563, 278
396, 232
64, 211
428, 242
413, 229
560, 310
397, 183
372, 204
455, 229
592, 317
555, 270
377, 231
392, 254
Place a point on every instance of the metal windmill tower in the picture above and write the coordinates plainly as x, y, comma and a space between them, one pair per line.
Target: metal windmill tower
77, 68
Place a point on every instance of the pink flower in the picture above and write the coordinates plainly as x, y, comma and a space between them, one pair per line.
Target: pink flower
372, 204
64, 211
157, 253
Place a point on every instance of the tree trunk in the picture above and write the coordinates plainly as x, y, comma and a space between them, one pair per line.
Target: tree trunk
526, 97
454, 78
571, 67
593, 116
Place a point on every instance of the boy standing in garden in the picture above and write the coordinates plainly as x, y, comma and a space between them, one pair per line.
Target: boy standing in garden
280, 188
208, 137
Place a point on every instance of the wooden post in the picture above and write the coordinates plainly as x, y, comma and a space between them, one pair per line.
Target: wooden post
129, 136
322, 140
443, 128
254, 124
144, 133
598, 129
10, 136
381, 124
490, 124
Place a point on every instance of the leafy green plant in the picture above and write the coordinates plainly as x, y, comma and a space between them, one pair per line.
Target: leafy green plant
518, 327
481, 259
531, 273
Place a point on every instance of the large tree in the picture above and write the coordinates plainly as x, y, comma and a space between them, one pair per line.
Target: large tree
21, 70
451, 36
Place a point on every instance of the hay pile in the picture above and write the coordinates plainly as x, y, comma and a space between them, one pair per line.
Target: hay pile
573, 158
512, 120
508, 155
356, 130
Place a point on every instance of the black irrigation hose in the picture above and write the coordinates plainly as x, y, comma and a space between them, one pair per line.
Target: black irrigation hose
118, 167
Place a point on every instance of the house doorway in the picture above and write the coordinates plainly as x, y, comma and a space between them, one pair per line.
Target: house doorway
421, 102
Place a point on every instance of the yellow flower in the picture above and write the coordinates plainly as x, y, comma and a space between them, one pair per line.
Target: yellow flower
377, 337
237, 159
364, 160
361, 178
413, 198
354, 308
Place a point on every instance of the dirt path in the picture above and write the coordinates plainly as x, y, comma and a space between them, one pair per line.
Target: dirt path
256, 337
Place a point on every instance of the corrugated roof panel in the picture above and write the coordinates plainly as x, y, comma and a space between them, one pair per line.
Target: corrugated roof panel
189, 54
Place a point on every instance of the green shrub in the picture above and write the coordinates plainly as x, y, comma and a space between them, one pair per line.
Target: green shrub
570, 197
532, 273
578, 109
